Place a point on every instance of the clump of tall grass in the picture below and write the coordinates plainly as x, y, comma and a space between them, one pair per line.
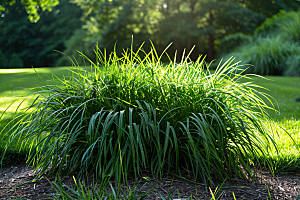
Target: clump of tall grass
270, 56
271, 26
293, 66
290, 27
275, 49
133, 113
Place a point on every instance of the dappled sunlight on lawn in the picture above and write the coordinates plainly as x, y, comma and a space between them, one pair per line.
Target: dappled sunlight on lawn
287, 139
10, 100
13, 71
289, 134
285, 91
9, 95
31, 70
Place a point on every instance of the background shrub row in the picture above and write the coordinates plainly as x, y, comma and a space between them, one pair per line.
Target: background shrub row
15, 61
274, 49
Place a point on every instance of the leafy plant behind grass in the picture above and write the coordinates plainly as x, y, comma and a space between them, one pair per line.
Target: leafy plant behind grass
133, 113
290, 27
232, 42
270, 56
271, 25
293, 66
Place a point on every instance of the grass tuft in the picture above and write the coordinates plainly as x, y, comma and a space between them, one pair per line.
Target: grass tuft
133, 113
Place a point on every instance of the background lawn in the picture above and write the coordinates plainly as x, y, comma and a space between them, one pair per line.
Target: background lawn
14, 84
284, 89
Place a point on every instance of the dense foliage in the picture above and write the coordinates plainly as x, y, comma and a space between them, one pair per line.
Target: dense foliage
269, 55
271, 25
184, 23
290, 28
35, 42
15, 61
32, 7
232, 42
275, 48
73, 45
270, 7
3, 60
134, 113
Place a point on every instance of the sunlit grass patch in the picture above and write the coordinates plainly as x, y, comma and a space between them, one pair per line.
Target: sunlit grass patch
288, 145
285, 90
13, 85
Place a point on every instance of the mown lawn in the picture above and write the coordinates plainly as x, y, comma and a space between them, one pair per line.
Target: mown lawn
13, 83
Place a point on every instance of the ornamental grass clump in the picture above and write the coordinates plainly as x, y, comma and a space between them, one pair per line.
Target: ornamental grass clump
134, 113
270, 56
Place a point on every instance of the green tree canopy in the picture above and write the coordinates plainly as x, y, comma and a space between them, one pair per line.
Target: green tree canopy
32, 7
270, 7
185, 23
35, 42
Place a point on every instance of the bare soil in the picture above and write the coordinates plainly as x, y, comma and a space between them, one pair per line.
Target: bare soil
16, 183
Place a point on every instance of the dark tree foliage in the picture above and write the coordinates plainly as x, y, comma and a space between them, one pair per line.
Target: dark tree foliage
74, 45
35, 42
227, 17
3, 60
15, 61
232, 42
270, 7
32, 7
184, 23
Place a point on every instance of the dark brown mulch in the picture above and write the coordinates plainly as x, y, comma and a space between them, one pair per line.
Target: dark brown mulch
284, 186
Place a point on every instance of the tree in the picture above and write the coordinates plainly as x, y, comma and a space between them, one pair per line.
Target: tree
270, 7
224, 18
74, 45
185, 23
33, 7
15, 61
3, 60
35, 42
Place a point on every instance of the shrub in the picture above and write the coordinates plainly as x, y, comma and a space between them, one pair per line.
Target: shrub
232, 42
3, 60
293, 65
277, 51
271, 25
133, 113
290, 27
73, 45
268, 55
15, 61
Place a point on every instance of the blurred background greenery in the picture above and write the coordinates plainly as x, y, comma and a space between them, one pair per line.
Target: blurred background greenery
264, 34
30, 31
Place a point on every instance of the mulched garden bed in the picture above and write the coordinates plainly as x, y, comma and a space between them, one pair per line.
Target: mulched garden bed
15, 182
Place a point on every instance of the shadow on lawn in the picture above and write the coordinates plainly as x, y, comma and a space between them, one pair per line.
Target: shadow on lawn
13, 153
